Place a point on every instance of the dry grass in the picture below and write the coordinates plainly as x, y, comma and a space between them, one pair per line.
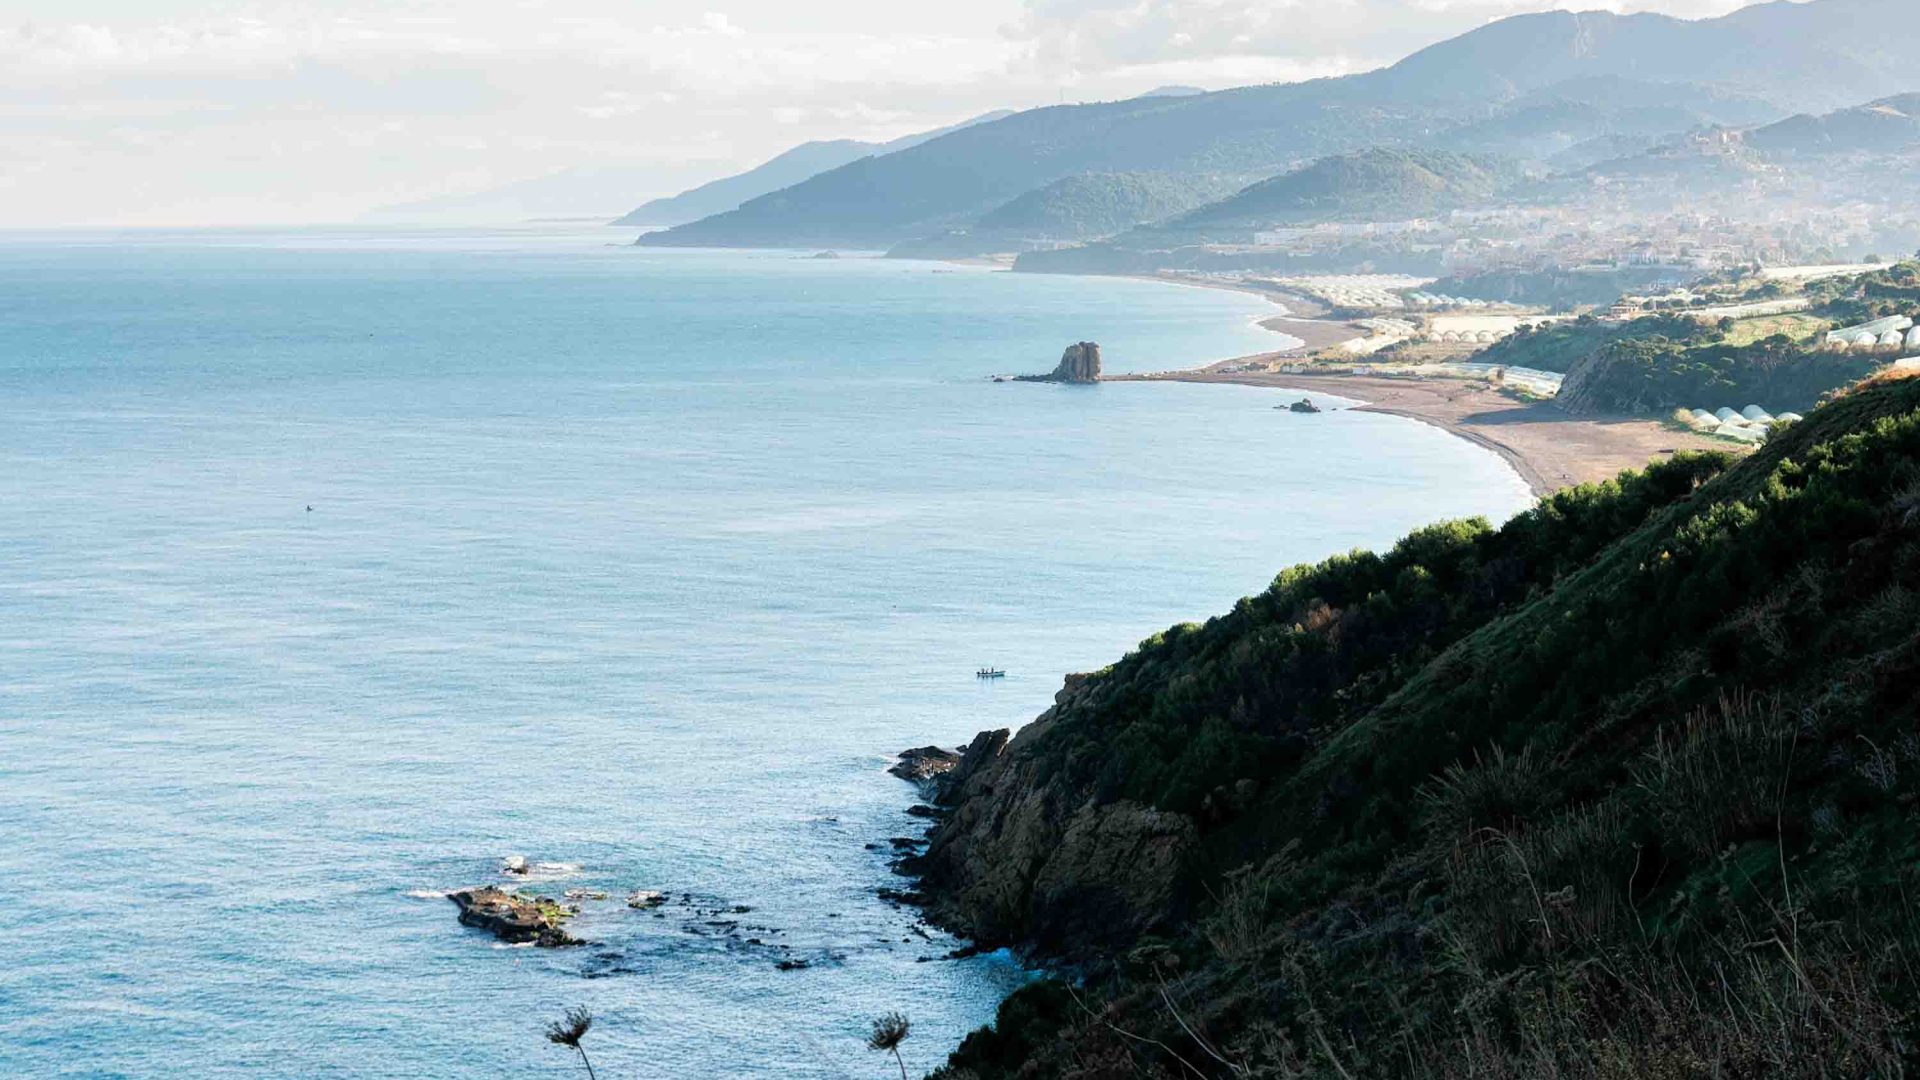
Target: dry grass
1722, 777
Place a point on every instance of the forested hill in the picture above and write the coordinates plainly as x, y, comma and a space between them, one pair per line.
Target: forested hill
1370, 185
1625, 787
1484, 87
1100, 204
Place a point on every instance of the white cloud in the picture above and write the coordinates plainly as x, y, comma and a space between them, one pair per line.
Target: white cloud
1089, 37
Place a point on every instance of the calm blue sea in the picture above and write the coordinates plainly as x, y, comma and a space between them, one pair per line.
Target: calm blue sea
640, 562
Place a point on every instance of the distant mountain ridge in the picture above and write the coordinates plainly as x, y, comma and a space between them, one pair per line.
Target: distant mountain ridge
1888, 124
784, 170
1492, 91
728, 192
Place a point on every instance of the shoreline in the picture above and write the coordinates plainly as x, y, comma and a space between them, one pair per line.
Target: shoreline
1548, 448
1301, 318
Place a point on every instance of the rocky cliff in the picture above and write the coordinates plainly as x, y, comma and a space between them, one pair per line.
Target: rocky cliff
1079, 364
1023, 860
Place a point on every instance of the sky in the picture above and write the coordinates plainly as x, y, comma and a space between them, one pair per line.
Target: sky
195, 112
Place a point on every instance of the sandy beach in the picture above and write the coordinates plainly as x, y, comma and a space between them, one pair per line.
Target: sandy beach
1547, 447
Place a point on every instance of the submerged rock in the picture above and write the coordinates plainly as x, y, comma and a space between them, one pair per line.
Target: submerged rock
644, 899
513, 918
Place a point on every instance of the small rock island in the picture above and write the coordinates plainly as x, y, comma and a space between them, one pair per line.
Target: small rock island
1079, 364
513, 918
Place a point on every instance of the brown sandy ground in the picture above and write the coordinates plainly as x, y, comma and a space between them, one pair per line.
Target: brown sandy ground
1548, 447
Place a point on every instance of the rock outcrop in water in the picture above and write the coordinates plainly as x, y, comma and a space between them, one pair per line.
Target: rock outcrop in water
513, 918
924, 764
1079, 364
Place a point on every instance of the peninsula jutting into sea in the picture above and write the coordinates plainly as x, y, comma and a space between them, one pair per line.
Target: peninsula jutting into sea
1392, 536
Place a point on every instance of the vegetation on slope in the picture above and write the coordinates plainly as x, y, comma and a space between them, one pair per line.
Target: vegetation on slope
1655, 374
1658, 363
1558, 289
1864, 297
1100, 204
1085, 206
1558, 346
1623, 788
1370, 185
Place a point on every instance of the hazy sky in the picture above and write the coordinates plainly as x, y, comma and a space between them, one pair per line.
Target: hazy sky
189, 112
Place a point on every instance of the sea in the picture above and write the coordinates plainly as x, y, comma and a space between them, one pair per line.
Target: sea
338, 566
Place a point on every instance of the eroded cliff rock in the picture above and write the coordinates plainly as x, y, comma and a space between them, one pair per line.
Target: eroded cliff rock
1026, 859
923, 764
1079, 364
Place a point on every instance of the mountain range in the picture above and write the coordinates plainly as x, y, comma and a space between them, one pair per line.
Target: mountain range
1529, 87
793, 166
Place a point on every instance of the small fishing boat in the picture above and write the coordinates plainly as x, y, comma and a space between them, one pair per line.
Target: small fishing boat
990, 673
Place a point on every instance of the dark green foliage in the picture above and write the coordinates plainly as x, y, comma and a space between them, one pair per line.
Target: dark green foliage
1247, 693
1624, 788
1656, 374
1657, 363
1558, 346
1865, 297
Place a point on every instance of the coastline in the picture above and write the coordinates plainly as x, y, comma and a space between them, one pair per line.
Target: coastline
1550, 449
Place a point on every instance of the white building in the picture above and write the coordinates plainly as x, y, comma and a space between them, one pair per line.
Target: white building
1874, 333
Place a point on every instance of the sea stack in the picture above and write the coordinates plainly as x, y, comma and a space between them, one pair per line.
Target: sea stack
1079, 364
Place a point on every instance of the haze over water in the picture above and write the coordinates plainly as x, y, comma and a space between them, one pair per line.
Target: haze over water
642, 561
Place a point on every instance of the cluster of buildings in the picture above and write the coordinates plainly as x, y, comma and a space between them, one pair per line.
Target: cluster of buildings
1356, 292
1536, 239
1596, 236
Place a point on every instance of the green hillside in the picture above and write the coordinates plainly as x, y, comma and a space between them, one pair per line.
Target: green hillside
1652, 365
1370, 185
1623, 788
1101, 204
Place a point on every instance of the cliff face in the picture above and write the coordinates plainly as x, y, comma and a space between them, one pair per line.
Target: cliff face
1021, 860
1079, 364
